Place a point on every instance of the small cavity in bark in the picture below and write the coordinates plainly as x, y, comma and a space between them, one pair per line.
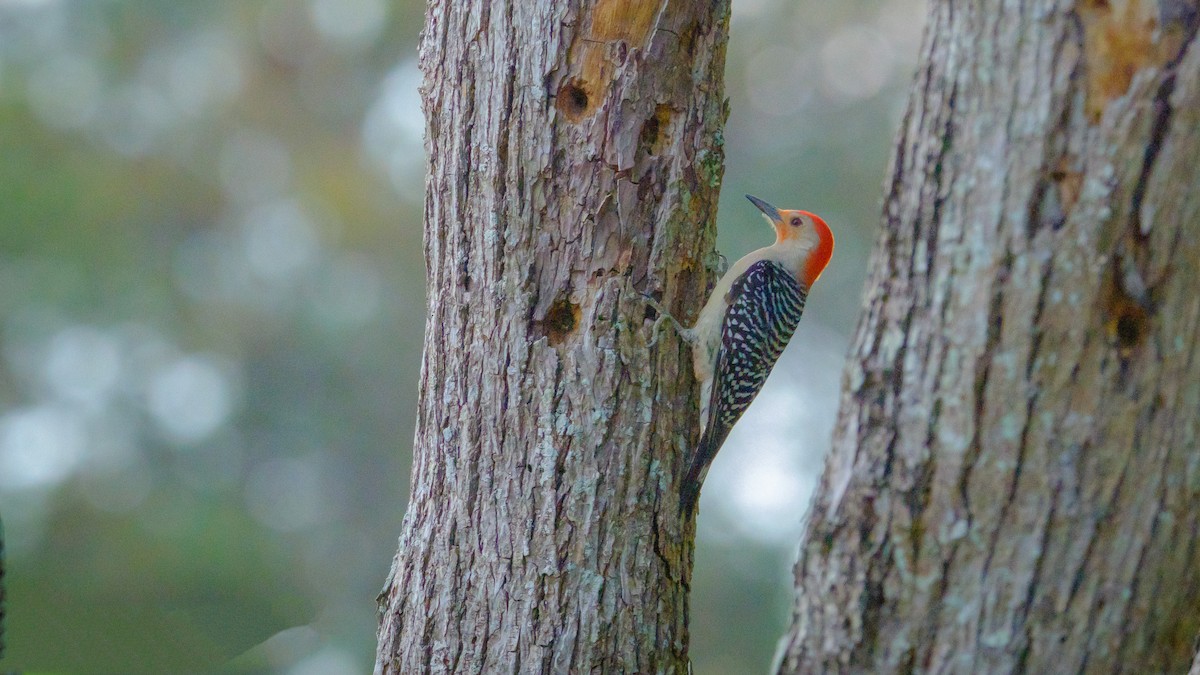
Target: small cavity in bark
573, 101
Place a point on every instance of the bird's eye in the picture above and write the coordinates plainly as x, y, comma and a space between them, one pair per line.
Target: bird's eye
796, 221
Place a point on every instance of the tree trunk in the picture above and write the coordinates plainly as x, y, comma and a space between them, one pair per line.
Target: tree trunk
1014, 485
575, 155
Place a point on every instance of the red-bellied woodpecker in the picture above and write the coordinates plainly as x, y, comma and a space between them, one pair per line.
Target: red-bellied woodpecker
746, 323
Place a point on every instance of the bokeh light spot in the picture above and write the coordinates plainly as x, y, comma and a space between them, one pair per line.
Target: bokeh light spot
279, 241
83, 365
856, 62
328, 661
190, 398
135, 118
393, 131
205, 72
768, 495
39, 447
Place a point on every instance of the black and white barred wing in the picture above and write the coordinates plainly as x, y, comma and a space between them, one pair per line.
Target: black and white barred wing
765, 305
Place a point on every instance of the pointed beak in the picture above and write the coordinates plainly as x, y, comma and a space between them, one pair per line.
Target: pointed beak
769, 211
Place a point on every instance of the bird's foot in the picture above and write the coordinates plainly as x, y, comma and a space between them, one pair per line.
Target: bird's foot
686, 334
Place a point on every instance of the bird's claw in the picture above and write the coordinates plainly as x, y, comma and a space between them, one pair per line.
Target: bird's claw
722, 265
663, 314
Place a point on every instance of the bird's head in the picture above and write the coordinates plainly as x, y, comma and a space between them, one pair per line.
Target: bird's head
804, 230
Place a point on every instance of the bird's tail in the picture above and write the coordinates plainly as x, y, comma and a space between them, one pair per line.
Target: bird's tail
706, 450
689, 494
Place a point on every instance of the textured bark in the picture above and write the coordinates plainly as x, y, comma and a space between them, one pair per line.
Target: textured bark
1014, 485
575, 155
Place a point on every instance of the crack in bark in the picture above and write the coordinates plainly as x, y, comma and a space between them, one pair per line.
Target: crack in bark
1135, 583
1106, 516
1032, 587
1077, 581
1162, 120
983, 371
1158, 130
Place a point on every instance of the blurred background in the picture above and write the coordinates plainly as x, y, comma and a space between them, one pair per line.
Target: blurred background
211, 314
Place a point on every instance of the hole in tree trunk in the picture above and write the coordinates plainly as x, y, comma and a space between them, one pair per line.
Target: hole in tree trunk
1127, 325
1129, 330
652, 139
573, 100
561, 320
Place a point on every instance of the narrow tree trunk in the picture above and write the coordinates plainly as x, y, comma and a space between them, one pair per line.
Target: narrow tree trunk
575, 155
1014, 485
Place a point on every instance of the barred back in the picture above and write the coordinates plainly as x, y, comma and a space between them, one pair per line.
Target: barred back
765, 305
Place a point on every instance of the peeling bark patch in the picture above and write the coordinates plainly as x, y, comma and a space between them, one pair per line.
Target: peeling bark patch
628, 20
1122, 38
1118, 42
616, 28
572, 101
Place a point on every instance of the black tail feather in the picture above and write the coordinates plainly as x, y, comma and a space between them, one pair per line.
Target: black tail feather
689, 495
689, 489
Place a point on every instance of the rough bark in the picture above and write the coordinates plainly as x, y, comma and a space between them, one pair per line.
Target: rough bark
1014, 484
575, 155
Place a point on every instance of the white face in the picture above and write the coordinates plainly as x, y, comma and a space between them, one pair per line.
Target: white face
795, 227
805, 237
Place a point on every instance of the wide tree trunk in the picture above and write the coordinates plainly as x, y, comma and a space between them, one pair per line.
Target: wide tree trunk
1014, 485
575, 155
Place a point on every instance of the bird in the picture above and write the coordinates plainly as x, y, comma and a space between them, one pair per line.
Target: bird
744, 326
